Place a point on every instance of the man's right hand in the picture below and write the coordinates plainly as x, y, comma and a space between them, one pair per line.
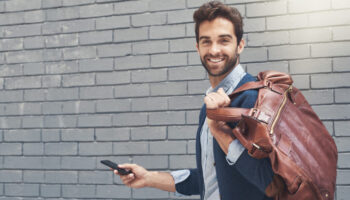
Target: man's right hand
136, 179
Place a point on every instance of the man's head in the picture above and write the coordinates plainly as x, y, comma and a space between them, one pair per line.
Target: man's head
219, 38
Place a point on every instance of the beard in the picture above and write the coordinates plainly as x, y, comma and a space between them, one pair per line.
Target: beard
229, 65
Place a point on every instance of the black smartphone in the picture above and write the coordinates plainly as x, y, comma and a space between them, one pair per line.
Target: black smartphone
113, 165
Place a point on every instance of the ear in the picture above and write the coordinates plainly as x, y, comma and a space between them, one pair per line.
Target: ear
241, 46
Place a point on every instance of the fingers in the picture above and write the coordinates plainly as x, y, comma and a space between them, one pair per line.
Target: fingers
217, 99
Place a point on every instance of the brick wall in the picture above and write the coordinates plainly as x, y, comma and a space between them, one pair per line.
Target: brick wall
86, 80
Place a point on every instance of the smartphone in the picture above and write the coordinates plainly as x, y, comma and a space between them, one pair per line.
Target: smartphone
113, 165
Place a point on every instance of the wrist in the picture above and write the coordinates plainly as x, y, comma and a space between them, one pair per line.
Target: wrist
149, 179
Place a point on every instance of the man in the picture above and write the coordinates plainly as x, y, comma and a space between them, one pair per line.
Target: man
224, 168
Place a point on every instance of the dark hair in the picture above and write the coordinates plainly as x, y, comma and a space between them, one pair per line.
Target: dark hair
211, 10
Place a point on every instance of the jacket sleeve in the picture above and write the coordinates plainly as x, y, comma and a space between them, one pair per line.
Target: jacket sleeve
190, 186
257, 171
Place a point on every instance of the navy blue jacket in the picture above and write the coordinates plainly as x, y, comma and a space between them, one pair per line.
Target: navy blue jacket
247, 179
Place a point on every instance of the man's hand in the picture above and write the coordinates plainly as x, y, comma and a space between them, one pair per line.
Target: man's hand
220, 130
136, 179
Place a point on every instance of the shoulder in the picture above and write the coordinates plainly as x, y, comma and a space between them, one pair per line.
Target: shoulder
247, 98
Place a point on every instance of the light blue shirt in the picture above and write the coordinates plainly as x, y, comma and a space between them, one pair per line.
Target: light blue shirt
211, 189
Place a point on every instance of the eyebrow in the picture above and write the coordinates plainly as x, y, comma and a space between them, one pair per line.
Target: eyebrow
221, 36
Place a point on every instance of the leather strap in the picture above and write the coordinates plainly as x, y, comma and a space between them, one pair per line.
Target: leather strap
227, 114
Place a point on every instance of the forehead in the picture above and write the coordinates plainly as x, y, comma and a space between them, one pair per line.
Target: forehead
216, 27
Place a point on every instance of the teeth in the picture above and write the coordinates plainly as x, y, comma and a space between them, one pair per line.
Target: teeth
216, 60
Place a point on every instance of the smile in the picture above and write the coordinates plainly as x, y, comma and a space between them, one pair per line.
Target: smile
216, 60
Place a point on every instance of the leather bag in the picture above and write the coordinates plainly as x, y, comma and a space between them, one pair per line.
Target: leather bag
283, 127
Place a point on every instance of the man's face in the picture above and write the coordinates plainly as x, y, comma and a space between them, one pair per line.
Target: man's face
217, 46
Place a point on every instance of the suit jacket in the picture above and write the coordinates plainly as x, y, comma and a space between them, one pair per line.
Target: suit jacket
246, 179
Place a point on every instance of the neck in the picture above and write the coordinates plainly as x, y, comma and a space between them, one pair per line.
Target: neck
215, 80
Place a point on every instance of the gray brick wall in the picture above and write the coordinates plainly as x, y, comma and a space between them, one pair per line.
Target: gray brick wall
86, 80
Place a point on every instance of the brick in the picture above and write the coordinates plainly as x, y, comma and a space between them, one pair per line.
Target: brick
10, 148
61, 40
301, 81
78, 191
61, 177
78, 80
130, 119
165, 118
130, 148
340, 4
51, 3
62, 13
150, 193
152, 162
319, 96
254, 24
149, 104
51, 81
33, 122
33, 176
114, 50
331, 112
62, 148
24, 135
110, 22
157, 5
78, 163
190, 30
132, 62
169, 31
28, 190
22, 30
341, 64
198, 87
330, 80
61, 67
148, 19
289, 52
341, 128
168, 88
113, 78
62, 93
168, 147
342, 144
310, 35
182, 132
329, 18
94, 120
152, 75
60, 121
343, 192
185, 102
11, 70
182, 162
131, 34
287, 22
309, 66
342, 95
112, 191
34, 42
26, 56
79, 52
183, 44
74, 135
255, 68
52, 163
299, 6
112, 134
330, 49
51, 190
50, 135
180, 16
113, 105
268, 38
11, 44
128, 7
53, 55
34, 16
96, 37
100, 148
80, 25
96, 10
79, 2
253, 54
150, 47
187, 73
134, 90
96, 177
148, 133
33, 68
195, 3
266, 9
191, 147
10, 122
192, 117
163, 60
51, 28
19, 162
18, 5
100, 92
341, 33
33, 149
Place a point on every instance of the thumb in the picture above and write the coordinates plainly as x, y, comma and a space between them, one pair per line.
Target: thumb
226, 98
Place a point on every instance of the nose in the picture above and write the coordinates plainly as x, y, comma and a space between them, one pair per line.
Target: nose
214, 49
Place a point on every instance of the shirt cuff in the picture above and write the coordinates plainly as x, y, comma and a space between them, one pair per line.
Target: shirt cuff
179, 176
234, 152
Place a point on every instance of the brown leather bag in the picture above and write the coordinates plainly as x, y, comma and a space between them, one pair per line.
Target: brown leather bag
283, 127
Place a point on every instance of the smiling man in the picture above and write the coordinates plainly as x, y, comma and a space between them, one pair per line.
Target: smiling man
224, 168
